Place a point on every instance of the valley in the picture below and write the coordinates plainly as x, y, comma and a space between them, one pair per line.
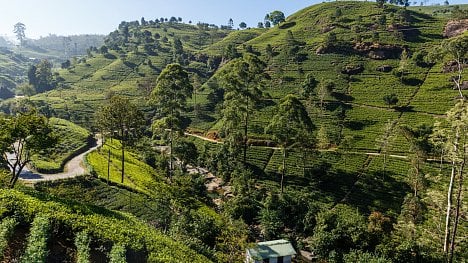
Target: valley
341, 128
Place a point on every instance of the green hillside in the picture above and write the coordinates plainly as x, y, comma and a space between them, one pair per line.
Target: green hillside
13, 69
368, 183
53, 239
439, 10
71, 140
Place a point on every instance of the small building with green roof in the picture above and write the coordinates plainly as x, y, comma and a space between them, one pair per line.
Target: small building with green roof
276, 251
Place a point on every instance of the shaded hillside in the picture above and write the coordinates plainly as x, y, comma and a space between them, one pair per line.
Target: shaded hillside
13, 69
67, 46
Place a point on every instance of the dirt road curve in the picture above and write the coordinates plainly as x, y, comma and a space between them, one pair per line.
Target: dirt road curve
73, 168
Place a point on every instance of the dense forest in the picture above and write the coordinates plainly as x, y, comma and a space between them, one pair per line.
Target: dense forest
341, 128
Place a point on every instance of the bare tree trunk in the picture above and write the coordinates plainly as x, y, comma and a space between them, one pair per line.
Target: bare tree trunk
459, 78
457, 211
449, 208
449, 197
16, 174
416, 182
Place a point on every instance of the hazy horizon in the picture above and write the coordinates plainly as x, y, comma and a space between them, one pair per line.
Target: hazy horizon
55, 17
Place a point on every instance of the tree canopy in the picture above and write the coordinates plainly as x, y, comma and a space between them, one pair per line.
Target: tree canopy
22, 136
169, 99
288, 125
19, 29
120, 118
242, 81
276, 17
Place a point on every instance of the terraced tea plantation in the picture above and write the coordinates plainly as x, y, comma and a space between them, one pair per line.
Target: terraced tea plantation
365, 180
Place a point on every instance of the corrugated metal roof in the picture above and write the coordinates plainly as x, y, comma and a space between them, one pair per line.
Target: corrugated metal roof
272, 249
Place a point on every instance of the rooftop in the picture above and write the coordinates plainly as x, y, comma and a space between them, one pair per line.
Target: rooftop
272, 249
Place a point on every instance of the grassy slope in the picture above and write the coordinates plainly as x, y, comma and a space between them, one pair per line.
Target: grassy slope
13, 68
90, 81
357, 177
152, 198
138, 174
103, 225
441, 10
361, 95
71, 139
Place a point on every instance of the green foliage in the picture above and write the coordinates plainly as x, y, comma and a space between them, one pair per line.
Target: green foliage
360, 256
276, 17
5, 93
354, 107
102, 224
36, 249
124, 117
117, 254
82, 241
338, 230
186, 151
170, 96
71, 139
7, 226
390, 99
270, 218
309, 85
120, 115
139, 175
230, 52
459, 13
23, 135
242, 80
290, 122
19, 29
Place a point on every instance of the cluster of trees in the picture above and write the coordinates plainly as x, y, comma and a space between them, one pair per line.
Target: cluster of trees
404, 3
41, 79
273, 18
122, 119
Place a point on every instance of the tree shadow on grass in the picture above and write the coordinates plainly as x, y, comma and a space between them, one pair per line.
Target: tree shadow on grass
205, 117
130, 64
78, 207
408, 108
379, 192
359, 125
337, 183
342, 97
412, 81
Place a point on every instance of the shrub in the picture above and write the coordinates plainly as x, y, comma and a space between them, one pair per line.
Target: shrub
36, 250
82, 247
117, 254
6, 230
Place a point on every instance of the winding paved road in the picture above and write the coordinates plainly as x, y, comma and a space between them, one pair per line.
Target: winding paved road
73, 168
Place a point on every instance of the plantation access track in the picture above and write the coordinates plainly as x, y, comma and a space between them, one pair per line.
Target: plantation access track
73, 168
